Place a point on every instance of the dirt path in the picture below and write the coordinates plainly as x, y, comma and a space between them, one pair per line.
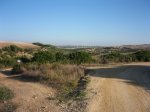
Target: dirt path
120, 89
29, 96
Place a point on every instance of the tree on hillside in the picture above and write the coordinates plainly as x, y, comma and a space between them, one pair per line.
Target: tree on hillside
43, 57
80, 57
60, 56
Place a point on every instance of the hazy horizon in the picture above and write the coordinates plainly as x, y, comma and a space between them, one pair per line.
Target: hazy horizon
76, 22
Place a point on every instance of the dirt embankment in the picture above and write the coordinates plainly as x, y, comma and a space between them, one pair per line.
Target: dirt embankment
29, 96
120, 89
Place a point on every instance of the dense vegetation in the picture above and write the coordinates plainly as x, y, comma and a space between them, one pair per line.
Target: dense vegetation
43, 57
72, 58
12, 48
142, 56
9, 55
139, 56
50, 54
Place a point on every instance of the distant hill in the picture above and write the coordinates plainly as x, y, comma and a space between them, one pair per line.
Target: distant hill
129, 47
38, 45
142, 46
19, 44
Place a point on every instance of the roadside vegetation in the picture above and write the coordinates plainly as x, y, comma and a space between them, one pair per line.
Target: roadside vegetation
5, 93
49, 65
116, 57
69, 80
5, 96
63, 69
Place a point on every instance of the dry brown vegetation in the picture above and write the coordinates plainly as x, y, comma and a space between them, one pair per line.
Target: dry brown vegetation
69, 82
19, 44
53, 74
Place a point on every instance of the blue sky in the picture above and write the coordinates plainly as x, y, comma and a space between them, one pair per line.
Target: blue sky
76, 22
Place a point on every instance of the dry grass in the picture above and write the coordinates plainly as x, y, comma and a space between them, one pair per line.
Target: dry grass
68, 80
19, 44
54, 74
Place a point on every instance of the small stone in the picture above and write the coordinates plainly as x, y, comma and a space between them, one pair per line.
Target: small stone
44, 107
5, 102
35, 97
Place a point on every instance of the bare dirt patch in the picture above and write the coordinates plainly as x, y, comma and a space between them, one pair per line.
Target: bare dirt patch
120, 88
29, 96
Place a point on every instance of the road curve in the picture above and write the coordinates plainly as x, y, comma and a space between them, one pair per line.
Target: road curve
119, 89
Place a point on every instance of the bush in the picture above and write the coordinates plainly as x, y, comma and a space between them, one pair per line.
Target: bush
24, 59
117, 57
80, 57
17, 69
60, 56
12, 48
53, 73
142, 56
72, 58
7, 62
5, 93
43, 57
67, 79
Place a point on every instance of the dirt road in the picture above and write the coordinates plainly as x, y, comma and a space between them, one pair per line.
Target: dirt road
29, 96
111, 89
119, 89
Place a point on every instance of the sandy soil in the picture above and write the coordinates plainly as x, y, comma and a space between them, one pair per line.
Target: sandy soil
29, 96
19, 44
119, 88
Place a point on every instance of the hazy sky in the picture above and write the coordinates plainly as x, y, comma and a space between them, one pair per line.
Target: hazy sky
77, 22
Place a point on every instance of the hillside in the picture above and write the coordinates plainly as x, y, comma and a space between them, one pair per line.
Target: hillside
142, 46
19, 44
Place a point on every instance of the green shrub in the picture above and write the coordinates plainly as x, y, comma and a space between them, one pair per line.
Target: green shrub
142, 56
117, 57
80, 57
43, 57
60, 57
17, 69
5, 93
24, 59
12, 48
8, 62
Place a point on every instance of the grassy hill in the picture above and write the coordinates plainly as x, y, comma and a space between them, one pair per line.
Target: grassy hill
19, 44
